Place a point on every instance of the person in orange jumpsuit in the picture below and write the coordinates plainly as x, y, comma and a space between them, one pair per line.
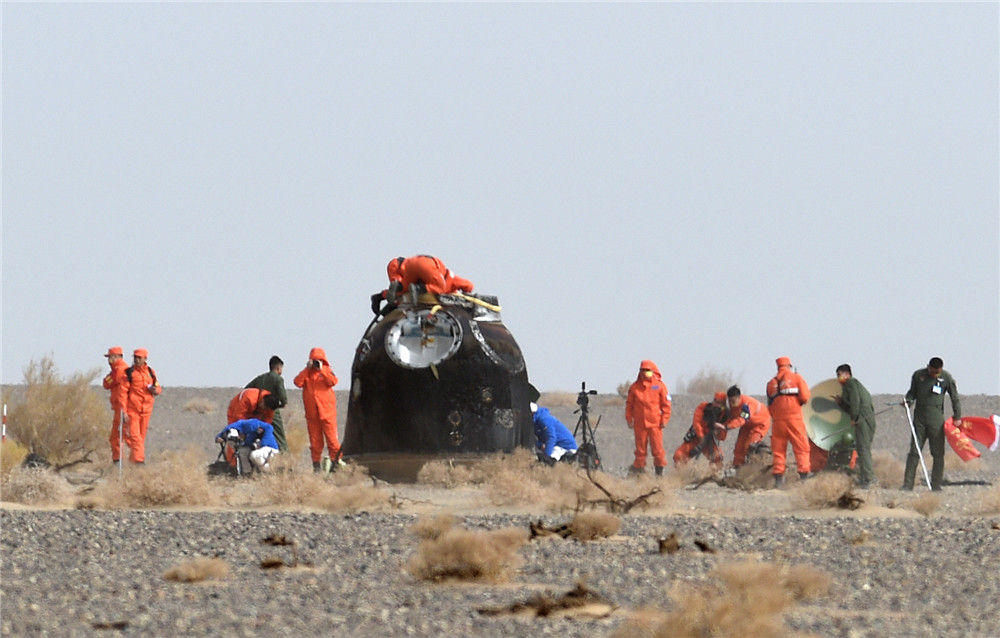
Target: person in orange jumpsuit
143, 388
419, 269
117, 382
705, 432
252, 403
647, 412
786, 393
320, 402
752, 418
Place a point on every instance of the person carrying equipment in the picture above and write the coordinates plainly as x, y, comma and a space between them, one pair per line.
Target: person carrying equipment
252, 403
705, 433
116, 381
553, 440
143, 388
751, 417
786, 393
927, 389
257, 444
647, 412
320, 402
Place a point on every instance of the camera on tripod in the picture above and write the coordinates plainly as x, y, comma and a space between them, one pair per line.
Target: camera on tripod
582, 399
587, 453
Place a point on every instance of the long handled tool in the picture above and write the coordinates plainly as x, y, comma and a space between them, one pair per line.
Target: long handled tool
916, 444
121, 447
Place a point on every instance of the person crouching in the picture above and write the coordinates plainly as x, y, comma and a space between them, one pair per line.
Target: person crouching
258, 443
554, 442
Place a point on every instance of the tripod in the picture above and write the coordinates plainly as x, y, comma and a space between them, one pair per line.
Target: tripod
587, 453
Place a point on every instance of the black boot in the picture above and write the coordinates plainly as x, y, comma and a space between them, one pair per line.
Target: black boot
659, 470
805, 475
316, 467
779, 480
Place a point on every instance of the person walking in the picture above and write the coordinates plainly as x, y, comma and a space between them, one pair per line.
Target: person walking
786, 393
647, 412
117, 382
857, 402
273, 382
320, 402
927, 389
143, 388
752, 418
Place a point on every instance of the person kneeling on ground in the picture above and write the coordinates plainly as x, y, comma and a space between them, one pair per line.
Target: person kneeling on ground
554, 440
259, 444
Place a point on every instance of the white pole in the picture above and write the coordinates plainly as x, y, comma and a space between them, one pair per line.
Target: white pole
916, 444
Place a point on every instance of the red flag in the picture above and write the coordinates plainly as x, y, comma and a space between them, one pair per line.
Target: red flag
960, 442
983, 429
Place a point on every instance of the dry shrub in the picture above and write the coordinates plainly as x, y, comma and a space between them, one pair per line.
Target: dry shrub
623, 389
445, 473
201, 405
462, 554
296, 434
989, 501
925, 503
826, 489
558, 399
61, 421
746, 599
519, 479
588, 526
612, 401
198, 570
348, 489
173, 477
888, 470
706, 381
12, 454
433, 528
36, 486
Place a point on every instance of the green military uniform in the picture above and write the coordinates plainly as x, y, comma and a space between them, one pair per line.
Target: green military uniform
857, 402
928, 421
273, 383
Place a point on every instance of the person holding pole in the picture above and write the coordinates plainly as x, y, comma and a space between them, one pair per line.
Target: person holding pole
927, 389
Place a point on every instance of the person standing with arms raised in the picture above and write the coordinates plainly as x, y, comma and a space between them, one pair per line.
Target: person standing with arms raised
320, 402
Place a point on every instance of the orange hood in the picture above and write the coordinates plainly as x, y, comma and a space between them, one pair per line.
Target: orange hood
319, 354
648, 365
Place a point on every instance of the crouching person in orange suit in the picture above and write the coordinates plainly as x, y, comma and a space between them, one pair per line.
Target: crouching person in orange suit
320, 402
705, 433
751, 417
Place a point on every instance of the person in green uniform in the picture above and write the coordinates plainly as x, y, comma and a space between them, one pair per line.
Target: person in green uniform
273, 383
857, 402
927, 389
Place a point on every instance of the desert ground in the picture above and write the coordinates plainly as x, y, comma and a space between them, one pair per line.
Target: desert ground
900, 564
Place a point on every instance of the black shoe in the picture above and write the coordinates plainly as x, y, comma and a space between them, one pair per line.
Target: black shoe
935, 488
779, 480
636, 470
316, 467
805, 475
659, 470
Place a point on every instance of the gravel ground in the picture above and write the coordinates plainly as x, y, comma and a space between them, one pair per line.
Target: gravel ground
895, 572
72, 572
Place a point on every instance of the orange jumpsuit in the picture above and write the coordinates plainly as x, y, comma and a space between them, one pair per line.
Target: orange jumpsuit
429, 271
647, 411
142, 391
753, 427
117, 382
694, 437
320, 404
248, 404
787, 392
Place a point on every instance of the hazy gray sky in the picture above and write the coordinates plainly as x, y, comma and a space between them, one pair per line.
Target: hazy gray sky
702, 185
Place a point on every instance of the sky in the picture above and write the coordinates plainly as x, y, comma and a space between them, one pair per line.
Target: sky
709, 186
